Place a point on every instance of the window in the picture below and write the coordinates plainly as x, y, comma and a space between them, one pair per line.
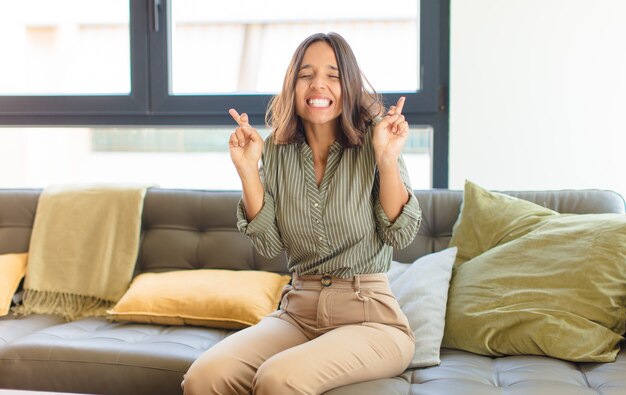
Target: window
83, 52
148, 81
256, 45
171, 157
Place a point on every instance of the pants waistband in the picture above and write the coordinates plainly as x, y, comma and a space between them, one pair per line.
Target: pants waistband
320, 281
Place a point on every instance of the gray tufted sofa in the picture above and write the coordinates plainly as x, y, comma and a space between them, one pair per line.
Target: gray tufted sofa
184, 229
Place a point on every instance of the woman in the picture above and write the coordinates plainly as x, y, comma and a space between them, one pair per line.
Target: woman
334, 195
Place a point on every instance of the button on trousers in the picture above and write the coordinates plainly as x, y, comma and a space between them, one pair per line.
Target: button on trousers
322, 337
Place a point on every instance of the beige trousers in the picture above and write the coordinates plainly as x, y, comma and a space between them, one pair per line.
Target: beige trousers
324, 336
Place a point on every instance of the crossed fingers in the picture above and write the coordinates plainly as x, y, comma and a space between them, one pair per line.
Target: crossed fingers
244, 133
397, 123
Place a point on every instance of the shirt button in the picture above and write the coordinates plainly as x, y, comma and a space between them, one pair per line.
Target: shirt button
320, 238
315, 205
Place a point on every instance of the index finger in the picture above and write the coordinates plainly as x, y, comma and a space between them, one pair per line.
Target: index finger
400, 105
233, 113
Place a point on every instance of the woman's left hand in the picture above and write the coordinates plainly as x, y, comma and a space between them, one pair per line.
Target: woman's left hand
390, 134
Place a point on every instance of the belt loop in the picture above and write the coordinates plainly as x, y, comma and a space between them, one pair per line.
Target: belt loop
357, 283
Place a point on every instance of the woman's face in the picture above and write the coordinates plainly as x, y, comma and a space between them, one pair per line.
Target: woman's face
318, 87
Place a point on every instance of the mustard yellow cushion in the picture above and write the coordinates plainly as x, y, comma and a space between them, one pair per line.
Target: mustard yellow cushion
12, 270
216, 298
557, 289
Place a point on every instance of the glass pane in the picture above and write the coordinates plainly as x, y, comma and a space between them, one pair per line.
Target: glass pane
64, 47
169, 157
245, 46
417, 156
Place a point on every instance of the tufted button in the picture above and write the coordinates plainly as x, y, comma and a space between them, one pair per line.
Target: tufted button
327, 280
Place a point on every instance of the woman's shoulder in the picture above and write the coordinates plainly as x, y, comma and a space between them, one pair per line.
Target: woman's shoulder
369, 132
270, 143
272, 147
269, 140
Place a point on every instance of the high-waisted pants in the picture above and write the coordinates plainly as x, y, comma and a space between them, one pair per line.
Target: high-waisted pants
322, 337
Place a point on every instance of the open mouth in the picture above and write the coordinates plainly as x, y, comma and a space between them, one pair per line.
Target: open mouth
319, 102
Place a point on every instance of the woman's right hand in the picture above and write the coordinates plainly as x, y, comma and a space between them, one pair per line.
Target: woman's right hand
245, 144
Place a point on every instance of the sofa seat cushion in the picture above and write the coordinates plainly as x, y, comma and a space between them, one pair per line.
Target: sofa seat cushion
13, 327
392, 386
92, 354
461, 372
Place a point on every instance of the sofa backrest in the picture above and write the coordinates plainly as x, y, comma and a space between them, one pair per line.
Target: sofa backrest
189, 229
441, 208
17, 213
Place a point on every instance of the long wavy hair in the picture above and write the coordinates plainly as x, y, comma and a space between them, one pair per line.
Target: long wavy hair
360, 106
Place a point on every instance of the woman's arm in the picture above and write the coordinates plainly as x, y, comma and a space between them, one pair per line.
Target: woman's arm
252, 193
390, 134
246, 147
255, 213
398, 231
393, 194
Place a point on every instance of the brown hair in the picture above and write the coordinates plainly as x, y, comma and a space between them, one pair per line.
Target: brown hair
359, 106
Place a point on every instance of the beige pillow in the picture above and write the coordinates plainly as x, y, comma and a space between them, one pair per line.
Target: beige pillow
557, 289
216, 298
421, 288
12, 270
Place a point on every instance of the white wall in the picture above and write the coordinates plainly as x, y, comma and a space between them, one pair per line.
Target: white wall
538, 94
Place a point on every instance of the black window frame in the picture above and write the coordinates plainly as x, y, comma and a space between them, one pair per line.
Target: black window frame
151, 104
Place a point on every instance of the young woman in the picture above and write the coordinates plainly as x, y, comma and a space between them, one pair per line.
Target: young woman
334, 194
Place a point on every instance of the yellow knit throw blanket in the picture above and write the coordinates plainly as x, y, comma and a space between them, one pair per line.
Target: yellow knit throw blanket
83, 249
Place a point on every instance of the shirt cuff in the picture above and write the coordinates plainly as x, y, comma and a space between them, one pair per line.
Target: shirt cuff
410, 212
263, 220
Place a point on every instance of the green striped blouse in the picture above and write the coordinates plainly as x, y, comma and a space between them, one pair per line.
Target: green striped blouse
339, 228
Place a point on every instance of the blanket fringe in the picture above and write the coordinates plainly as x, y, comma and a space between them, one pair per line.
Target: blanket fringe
70, 306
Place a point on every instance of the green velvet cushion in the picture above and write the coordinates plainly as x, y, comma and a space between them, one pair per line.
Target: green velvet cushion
490, 218
547, 284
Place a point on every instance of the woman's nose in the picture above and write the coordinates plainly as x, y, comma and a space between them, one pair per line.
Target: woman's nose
317, 82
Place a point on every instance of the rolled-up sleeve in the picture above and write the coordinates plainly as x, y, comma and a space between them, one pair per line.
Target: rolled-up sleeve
402, 231
262, 230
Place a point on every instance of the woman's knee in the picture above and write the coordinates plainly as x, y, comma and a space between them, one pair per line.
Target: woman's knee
213, 376
273, 377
